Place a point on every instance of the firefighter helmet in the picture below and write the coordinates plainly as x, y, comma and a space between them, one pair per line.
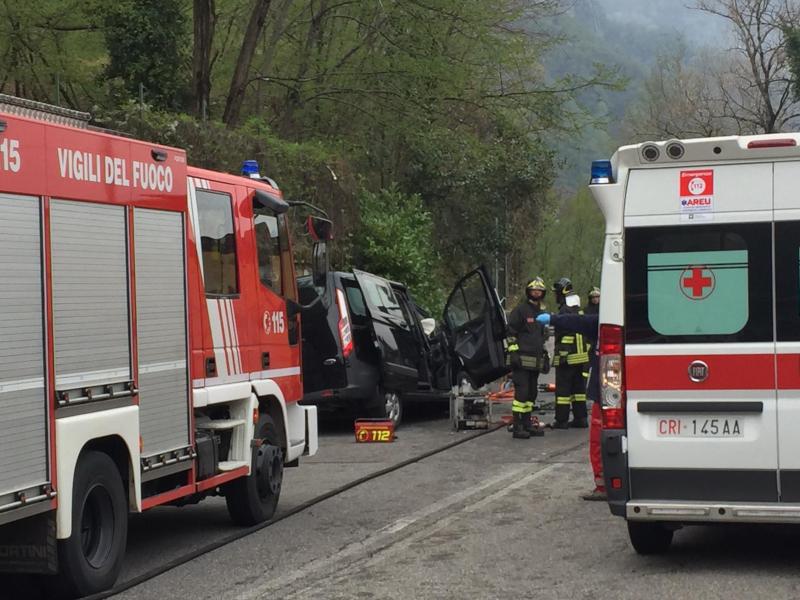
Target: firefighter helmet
563, 286
536, 284
594, 292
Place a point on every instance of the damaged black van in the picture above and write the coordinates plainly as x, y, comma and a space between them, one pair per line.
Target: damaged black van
369, 348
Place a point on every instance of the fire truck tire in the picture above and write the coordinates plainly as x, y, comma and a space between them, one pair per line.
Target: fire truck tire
91, 558
253, 499
386, 405
649, 538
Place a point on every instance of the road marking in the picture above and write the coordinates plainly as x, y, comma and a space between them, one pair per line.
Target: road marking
380, 540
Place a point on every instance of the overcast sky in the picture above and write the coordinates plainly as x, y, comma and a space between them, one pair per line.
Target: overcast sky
698, 28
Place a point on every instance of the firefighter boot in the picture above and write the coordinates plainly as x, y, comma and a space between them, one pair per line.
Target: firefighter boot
579, 414
519, 431
531, 425
562, 416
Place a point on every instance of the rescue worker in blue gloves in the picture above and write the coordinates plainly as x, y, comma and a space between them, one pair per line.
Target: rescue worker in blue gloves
587, 325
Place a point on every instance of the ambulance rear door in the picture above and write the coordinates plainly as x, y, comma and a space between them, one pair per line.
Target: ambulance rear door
700, 350
787, 326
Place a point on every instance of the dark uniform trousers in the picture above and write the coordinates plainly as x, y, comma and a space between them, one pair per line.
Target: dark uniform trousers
572, 357
570, 391
526, 388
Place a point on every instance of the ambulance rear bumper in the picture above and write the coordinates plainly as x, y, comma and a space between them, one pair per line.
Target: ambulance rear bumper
707, 512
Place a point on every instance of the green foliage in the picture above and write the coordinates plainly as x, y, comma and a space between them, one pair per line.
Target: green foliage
571, 245
442, 110
148, 43
792, 37
51, 50
396, 239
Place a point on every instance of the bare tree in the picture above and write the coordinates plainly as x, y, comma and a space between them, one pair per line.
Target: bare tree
756, 92
241, 73
680, 99
204, 20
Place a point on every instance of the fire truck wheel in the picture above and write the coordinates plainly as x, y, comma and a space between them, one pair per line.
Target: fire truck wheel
649, 538
387, 405
253, 499
91, 558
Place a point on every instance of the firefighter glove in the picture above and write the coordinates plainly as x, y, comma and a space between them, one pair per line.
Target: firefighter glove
543, 318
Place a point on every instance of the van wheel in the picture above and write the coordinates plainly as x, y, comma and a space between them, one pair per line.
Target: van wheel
91, 558
649, 538
253, 499
387, 405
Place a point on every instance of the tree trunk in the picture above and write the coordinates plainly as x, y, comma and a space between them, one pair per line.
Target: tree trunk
233, 105
204, 18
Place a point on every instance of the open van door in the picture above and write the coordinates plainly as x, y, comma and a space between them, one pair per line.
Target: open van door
476, 327
393, 334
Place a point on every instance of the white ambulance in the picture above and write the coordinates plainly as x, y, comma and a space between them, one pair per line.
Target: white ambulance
700, 333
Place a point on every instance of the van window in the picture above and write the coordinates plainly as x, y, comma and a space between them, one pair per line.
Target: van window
787, 280
218, 243
380, 296
475, 295
699, 283
468, 302
355, 300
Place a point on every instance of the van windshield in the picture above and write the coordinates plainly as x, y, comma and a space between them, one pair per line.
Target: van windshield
699, 283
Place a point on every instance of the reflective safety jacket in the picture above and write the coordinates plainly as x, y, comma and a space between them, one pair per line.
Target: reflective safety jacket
526, 337
571, 347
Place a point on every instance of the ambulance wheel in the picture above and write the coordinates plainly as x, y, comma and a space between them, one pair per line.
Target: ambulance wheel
649, 538
91, 558
387, 405
253, 499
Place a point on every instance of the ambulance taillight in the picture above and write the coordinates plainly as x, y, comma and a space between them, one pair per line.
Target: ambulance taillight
345, 331
612, 380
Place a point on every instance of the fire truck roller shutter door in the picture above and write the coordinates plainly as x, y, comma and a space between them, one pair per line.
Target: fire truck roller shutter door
23, 417
161, 323
90, 294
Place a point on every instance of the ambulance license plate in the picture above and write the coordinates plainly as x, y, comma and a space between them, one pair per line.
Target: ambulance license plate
700, 427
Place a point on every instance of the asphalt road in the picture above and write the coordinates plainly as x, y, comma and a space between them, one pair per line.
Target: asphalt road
491, 518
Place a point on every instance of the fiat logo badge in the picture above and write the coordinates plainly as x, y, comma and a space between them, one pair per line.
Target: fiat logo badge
698, 371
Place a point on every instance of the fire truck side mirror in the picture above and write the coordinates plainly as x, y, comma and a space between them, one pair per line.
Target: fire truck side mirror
320, 230
319, 263
292, 309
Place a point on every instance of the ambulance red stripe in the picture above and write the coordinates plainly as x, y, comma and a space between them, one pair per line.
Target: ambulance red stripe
788, 371
725, 372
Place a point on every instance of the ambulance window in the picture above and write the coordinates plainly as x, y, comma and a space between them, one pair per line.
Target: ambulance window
699, 284
787, 280
218, 243
269, 248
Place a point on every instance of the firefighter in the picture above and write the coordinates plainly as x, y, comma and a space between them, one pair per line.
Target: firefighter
526, 356
571, 355
588, 325
592, 308
593, 304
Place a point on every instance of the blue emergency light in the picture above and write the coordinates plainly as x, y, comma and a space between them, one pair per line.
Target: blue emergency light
250, 168
601, 171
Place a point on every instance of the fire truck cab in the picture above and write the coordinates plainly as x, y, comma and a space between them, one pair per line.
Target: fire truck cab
150, 342
700, 333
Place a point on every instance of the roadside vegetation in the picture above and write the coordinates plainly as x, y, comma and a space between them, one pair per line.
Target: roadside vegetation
438, 134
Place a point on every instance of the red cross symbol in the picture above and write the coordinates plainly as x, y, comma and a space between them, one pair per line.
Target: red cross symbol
694, 286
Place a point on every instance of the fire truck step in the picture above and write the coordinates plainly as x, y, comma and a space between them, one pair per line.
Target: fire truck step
221, 424
230, 465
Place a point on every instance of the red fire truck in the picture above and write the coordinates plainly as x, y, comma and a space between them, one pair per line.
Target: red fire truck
149, 342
